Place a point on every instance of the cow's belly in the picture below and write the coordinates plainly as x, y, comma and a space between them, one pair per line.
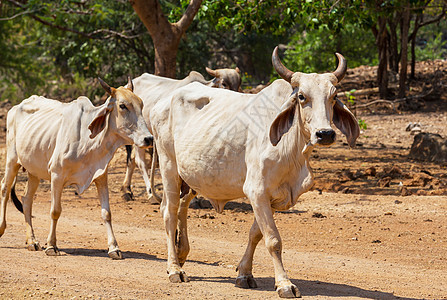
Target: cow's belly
35, 162
35, 166
216, 172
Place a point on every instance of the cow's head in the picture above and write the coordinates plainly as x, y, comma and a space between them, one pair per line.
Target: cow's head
122, 111
226, 78
316, 94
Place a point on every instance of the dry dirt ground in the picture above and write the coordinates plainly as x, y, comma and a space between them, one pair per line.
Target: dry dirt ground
374, 227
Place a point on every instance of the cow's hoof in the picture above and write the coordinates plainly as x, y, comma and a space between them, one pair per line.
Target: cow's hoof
246, 282
116, 254
178, 277
128, 196
153, 200
34, 246
52, 251
288, 291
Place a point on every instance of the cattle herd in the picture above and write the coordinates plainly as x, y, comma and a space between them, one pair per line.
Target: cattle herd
221, 143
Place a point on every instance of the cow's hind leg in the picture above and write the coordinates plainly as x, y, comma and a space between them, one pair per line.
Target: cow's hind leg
31, 187
55, 213
182, 241
11, 170
145, 166
103, 194
245, 276
130, 167
169, 209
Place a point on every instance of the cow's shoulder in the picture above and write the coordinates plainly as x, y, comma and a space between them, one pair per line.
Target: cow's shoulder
279, 88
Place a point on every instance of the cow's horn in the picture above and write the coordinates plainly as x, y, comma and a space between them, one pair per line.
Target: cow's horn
342, 66
129, 83
285, 73
105, 86
211, 72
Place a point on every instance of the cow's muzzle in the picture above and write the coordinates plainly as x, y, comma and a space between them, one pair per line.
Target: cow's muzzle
325, 137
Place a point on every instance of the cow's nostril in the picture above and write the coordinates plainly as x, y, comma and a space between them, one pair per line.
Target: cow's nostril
333, 135
149, 140
325, 137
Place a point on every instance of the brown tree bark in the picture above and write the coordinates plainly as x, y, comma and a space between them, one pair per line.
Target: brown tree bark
165, 35
381, 35
393, 52
405, 27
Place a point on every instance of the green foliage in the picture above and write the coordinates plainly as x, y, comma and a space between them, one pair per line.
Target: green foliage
313, 51
362, 124
23, 70
432, 42
85, 40
350, 96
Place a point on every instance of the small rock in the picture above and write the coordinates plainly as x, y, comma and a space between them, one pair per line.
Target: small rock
405, 192
371, 171
318, 215
384, 182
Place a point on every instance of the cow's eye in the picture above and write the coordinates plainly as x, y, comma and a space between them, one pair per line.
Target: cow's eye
302, 98
122, 106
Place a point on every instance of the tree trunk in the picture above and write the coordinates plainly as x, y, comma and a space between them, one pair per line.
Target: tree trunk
166, 36
413, 51
382, 70
166, 58
405, 25
392, 48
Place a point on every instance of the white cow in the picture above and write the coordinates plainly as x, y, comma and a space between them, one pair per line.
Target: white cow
69, 144
151, 88
226, 145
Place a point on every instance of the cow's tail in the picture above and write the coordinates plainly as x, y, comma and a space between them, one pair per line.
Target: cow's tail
129, 153
154, 163
14, 197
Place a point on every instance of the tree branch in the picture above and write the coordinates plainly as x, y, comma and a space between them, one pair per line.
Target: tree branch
90, 35
18, 15
189, 15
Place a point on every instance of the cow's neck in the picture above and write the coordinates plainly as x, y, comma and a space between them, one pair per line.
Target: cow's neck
294, 155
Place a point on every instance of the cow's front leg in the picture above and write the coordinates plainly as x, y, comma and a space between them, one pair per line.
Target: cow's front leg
182, 242
169, 209
31, 187
55, 213
264, 218
103, 194
245, 276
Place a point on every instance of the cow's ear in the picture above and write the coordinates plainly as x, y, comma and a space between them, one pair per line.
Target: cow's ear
344, 119
100, 121
283, 121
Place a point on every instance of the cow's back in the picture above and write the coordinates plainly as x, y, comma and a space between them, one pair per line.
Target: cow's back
151, 89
